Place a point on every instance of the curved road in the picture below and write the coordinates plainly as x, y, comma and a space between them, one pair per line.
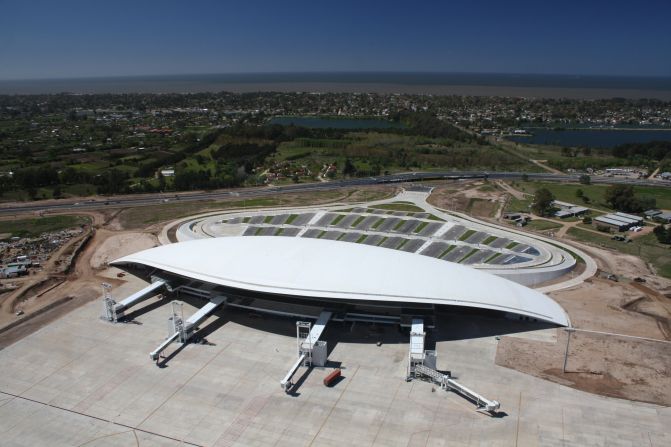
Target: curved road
245, 193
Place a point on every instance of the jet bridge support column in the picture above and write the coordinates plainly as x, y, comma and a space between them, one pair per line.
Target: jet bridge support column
182, 330
113, 311
311, 351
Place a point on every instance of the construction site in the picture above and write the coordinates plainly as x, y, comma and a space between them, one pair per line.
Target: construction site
405, 315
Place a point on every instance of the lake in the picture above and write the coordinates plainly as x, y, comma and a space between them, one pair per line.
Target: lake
335, 123
603, 138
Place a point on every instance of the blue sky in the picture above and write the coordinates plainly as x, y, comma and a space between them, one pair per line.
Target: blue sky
72, 38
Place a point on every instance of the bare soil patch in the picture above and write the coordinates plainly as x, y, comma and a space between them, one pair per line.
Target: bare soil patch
604, 305
613, 366
119, 245
478, 199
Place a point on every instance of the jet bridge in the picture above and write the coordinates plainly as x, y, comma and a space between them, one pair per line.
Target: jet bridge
311, 351
182, 330
422, 363
113, 311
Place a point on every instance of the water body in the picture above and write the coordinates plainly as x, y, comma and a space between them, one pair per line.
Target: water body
479, 84
335, 123
600, 138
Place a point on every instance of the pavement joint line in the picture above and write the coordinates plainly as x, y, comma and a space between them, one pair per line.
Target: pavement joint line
5, 401
223, 398
15, 396
386, 413
439, 404
519, 412
181, 387
563, 435
106, 436
243, 420
60, 369
335, 404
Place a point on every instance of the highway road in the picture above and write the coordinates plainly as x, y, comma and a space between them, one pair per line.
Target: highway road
246, 193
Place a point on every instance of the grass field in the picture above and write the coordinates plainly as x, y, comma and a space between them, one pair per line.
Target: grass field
394, 152
542, 225
518, 205
481, 207
142, 216
646, 247
554, 156
139, 217
566, 192
34, 227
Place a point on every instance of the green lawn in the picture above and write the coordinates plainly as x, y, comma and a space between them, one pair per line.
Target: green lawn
446, 251
471, 253
646, 247
338, 218
420, 227
542, 225
566, 193
357, 221
492, 257
34, 227
466, 235
489, 240
518, 206
141, 216
378, 223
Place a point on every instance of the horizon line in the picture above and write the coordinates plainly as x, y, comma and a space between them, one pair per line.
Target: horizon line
331, 72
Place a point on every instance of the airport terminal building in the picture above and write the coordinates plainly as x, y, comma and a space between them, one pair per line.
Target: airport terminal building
285, 273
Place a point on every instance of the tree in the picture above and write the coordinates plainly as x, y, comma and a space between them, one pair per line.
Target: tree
585, 179
349, 168
112, 181
587, 220
622, 198
542, 204
579, 193
161, 181
663, 234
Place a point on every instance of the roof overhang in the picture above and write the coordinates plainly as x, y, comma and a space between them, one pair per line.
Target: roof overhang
322, 269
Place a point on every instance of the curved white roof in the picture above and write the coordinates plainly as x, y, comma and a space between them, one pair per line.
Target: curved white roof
308, 267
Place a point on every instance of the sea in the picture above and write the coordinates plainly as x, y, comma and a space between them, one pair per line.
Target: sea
476, 84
